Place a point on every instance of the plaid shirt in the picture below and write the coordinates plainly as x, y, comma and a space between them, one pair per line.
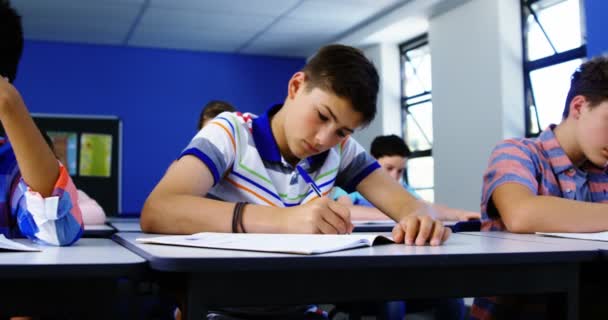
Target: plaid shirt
55, 220
542, 166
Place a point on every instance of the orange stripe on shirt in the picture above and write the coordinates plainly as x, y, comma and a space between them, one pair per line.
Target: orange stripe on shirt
228, 133
250, 191
315, 198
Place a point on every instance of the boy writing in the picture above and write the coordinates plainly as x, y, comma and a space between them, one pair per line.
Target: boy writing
240, 157
554, 183
39, 200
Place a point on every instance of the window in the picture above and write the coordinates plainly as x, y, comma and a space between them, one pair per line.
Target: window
417, 109
554, 46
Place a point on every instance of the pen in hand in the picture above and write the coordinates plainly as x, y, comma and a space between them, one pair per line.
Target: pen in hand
313, 185
309, 180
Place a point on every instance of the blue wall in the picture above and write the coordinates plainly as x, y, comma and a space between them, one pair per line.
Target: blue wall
595, 11
158, 94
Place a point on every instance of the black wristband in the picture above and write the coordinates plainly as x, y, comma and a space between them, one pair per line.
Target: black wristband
241, 211
236, 216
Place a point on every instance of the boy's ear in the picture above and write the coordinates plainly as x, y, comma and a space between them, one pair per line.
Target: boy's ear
576, 106
296, 84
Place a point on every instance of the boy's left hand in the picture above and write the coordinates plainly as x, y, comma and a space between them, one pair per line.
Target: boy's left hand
418, 230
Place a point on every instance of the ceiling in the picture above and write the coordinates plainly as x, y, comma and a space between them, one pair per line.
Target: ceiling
268, 27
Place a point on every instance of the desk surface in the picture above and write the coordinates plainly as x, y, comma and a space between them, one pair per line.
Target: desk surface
461, 250
98, 231
602, 246
130, 225
87, 257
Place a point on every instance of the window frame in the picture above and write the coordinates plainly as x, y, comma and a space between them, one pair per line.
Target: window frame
544, 62
412, 44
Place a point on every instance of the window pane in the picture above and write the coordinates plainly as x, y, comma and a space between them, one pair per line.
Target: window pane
533, 122
420, 172
562, 23
418, 129
550, 86
427, 194
417, 68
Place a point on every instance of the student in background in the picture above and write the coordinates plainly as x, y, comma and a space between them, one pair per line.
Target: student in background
40, 200
212, 109
92, 212
392, 153
239, 173
554, 183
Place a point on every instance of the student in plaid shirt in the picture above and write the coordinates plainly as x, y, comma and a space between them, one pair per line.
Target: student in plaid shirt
37, 197
554, 183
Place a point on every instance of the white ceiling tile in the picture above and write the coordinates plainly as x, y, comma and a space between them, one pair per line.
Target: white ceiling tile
308, 27
105, 22
201, 40
285, 44
325, 10
182, 20
249, 7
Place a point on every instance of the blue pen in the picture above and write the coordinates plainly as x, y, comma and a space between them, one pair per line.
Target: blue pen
309, 180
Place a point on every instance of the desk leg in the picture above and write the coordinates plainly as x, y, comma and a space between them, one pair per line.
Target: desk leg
573, 294
195, 308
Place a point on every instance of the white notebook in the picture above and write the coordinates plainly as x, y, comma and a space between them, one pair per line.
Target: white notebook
597, 236
283, 243
10, 245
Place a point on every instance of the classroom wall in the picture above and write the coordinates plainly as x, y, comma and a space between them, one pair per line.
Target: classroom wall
157, 93
595, 14
477, 93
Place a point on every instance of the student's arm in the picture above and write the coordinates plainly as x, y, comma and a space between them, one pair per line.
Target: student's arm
366, 213
450, 214
177, 206
415, 226
358, 212
525, 212
37, 162
44, 201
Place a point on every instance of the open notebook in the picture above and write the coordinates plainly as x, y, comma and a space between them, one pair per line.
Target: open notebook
284, 243
597, 236
10, 245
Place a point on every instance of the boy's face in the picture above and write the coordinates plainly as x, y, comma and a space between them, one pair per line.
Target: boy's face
592, 132
316, 120
393, 165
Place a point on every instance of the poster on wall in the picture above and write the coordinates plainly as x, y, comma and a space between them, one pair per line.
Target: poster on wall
65, 147
95, 155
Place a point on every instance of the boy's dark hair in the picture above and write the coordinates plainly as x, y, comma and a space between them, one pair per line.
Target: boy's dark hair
346, 72
11, 40
212, 109
591, 81
387, 146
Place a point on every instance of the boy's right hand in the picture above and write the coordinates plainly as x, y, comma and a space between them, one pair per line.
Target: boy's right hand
322, 215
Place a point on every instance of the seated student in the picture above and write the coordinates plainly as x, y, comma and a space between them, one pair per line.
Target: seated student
392, 153
554, 183
212, 109
238, 174
40, 200
92, 212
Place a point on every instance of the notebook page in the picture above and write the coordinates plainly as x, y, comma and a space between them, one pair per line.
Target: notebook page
284, 243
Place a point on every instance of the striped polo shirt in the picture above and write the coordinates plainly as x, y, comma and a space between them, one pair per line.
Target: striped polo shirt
541, 165
244, 158
54, 220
